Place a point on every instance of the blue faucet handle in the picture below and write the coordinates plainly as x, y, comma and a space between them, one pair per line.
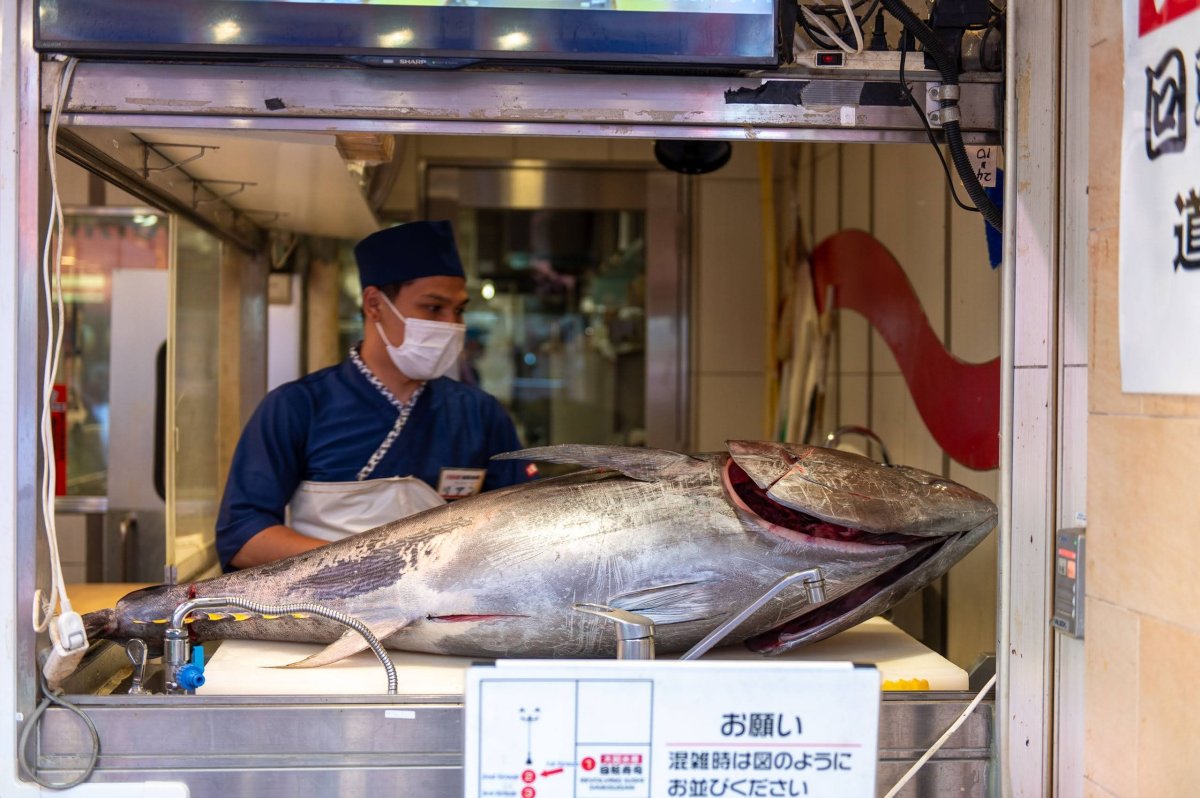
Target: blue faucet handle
191, 676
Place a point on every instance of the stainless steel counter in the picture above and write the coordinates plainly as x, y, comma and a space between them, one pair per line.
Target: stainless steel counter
344, 746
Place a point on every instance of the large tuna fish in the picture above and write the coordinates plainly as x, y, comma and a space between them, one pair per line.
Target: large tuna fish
686, 541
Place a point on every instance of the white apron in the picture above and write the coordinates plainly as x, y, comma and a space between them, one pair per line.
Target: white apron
335, 510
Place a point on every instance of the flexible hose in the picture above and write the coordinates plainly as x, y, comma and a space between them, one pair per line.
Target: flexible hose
288, 609
31, 723
952, 129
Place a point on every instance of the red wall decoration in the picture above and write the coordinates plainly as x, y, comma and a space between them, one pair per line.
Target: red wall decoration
959, 401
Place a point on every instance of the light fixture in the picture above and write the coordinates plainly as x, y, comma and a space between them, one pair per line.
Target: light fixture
514, 41
692, 157
226, 30
488, 291
397, 38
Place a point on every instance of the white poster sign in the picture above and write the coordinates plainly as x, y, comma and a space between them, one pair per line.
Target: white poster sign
1160, 198
538, 729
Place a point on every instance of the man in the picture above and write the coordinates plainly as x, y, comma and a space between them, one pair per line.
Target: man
381, 435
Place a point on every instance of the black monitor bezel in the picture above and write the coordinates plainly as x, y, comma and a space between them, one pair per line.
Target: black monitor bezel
140, 28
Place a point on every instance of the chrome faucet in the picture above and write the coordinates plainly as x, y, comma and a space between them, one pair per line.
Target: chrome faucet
835, 437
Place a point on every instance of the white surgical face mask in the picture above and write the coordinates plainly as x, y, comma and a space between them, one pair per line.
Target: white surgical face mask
430, 348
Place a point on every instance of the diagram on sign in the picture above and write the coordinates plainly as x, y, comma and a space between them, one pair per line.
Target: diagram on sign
529, 718
563, 739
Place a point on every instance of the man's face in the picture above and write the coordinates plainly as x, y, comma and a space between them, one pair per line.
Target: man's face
428, 298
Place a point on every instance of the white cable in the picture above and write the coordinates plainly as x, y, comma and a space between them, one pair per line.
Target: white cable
852, 21
941, 740
52, 289
820, 22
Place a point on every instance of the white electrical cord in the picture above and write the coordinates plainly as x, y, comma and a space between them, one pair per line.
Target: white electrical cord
43, 607
819, 21
966, 713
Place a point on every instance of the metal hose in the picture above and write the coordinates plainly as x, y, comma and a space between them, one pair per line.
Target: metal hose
181, 612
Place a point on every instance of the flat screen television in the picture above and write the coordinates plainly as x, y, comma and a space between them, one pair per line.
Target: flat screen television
432, 33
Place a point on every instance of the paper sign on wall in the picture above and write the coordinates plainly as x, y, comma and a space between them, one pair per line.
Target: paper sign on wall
637, 730
1160, 198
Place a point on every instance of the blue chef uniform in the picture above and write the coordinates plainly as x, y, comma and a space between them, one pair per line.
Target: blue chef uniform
325, 427
343, 425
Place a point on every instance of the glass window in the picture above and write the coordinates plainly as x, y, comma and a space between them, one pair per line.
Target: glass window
556, 326
96, 245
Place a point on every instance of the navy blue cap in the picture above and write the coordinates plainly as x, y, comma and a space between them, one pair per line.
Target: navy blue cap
408, 252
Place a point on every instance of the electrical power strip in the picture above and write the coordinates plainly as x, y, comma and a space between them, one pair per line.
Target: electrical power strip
869, 61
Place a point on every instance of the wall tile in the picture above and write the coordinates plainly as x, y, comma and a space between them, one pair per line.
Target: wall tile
1168, 726
727, 406
1142, 515
1171, 406
1107, 112
1073, 435
1104, 382
895, 419
855, 212
852, 401
1105, 24
855, 196
550, 148
1093, 790
743, 164
729, 283
1111, 736
854, 334
635, 150
971, 584
971, 604
910, 198
827, 206
484, 147
974, 291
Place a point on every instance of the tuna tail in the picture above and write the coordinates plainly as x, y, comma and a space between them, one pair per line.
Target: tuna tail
100, 624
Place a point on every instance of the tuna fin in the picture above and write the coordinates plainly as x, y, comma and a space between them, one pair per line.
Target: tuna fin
635, 462
677, 602
347, 645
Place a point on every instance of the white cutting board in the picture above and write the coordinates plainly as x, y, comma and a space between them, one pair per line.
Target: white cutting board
249, 667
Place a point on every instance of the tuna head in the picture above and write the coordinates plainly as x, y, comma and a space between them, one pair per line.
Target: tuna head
818, 497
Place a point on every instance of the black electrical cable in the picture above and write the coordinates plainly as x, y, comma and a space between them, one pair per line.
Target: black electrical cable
832, 12
31, 723
951, 128
817, 36
928, 128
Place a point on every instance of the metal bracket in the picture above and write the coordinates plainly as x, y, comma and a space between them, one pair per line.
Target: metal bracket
147, 147
635, 633
197, 202
935, 95
814, 583
942, 116
942, 91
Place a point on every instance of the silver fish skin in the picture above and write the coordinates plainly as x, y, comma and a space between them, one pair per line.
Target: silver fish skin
684, 540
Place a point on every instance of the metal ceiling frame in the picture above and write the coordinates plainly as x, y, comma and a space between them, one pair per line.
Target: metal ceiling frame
795, 104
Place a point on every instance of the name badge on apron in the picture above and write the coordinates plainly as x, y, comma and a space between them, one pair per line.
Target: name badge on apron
458, 483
